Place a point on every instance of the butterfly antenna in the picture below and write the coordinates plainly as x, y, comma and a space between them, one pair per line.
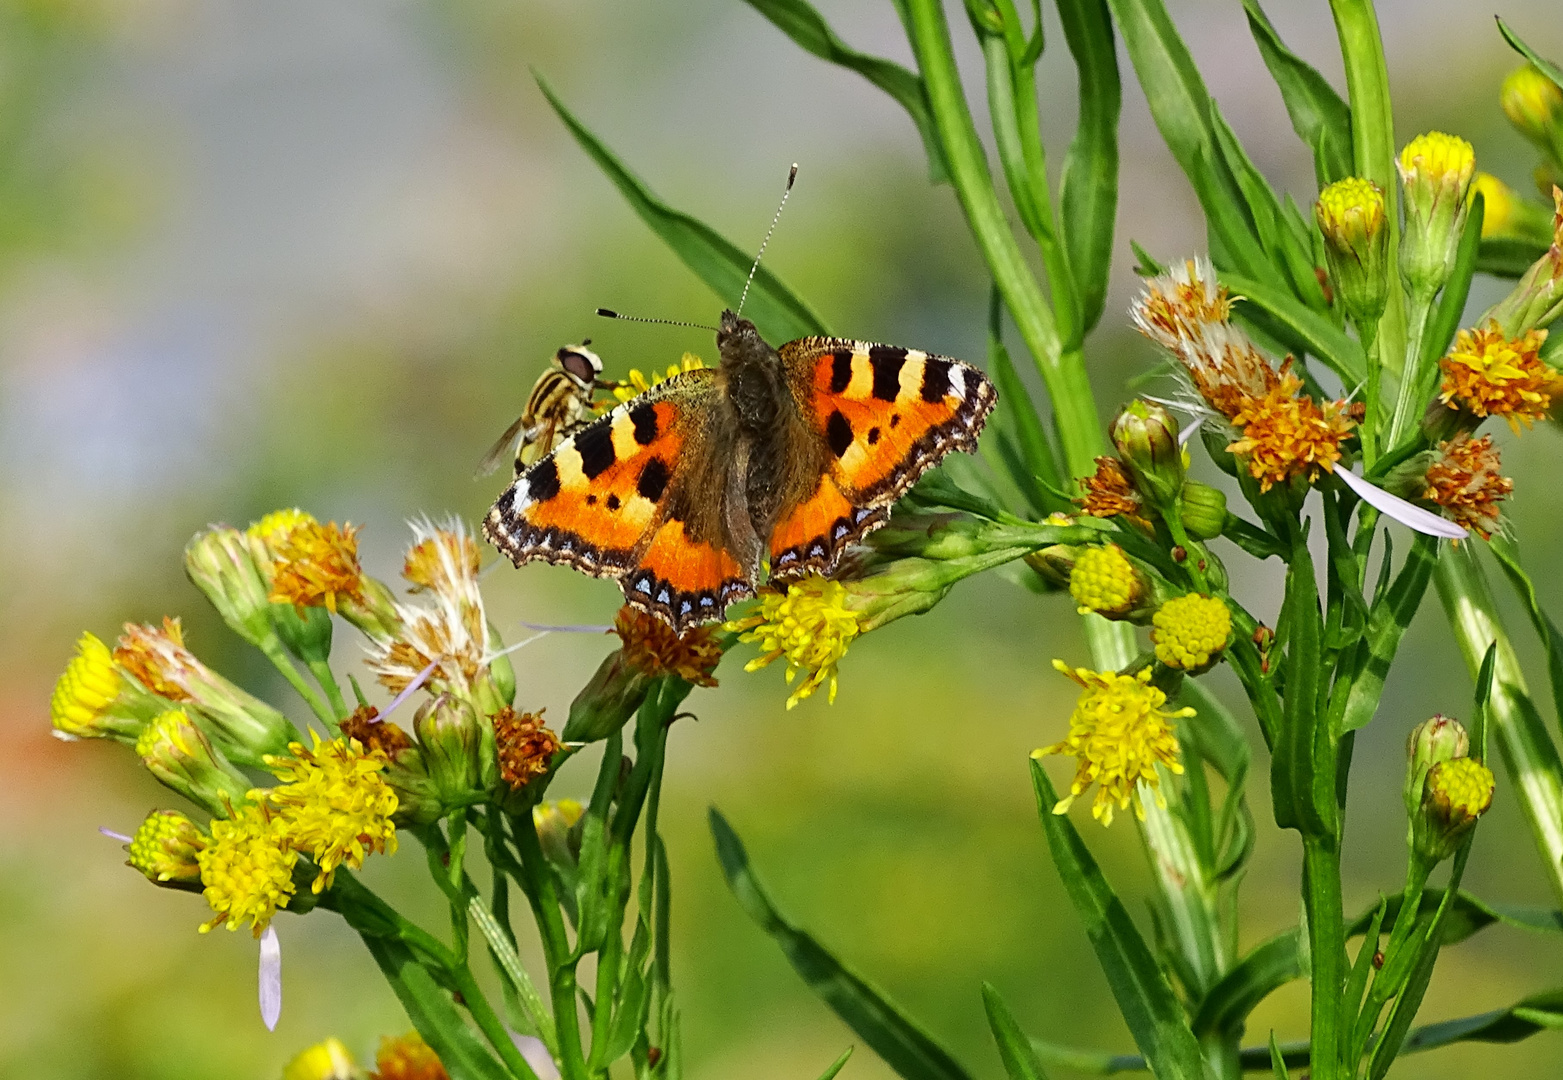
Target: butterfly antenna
792, 175
609, 313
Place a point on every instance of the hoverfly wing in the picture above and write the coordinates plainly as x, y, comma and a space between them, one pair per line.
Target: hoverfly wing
500, 450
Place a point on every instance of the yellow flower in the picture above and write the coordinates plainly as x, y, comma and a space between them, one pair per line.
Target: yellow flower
524, 745
247, 869
272, 528
329, 1060
1438, 159
1105, 581
177, 752
1533, 103
166, 847
1435, 178
1460, 789
655, 648
1181, 303
1190, 631
332, 804
1465, 483
154, 656
1286, 435
810, 625
1492, 375
315, 565
93, 700
638, 383
1120, 733
407, 1058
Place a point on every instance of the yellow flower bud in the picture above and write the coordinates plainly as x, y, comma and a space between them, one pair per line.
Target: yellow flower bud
1351, 216
1435, 174
1534, 105
176, 751
93, 699
1106, 582
329, 1060
164, 849
1441, 738
1191, 631
1457, 792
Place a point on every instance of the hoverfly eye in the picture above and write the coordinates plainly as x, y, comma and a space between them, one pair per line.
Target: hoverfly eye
580, 365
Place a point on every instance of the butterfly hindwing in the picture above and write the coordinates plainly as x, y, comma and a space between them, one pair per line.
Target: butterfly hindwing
885, 415
617, 499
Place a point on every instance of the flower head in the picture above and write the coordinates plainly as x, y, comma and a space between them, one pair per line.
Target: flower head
329, 1060
316, 565
655, 648
247, 869
220, 563
1440, 738
1464, 480
332, 805
1105, 581
165, 848
525, 746
373, 733
1146, 437
1190, 631
93, 699
1533, 103
1286, 435
1120, 733
1181, 304
810, 625
1435, 176
1352, 219
407, 1058
451, 630
1492, 375
1455, 794
1109, 492
637, 383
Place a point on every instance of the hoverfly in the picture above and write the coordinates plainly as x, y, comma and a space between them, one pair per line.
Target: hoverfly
560, 402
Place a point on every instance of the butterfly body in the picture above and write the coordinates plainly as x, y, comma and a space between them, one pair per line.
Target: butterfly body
784, 457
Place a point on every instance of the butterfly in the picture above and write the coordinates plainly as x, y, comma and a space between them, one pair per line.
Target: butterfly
560, 402
779, 457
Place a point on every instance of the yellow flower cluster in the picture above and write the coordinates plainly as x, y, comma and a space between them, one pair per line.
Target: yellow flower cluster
246, 869
1190, 631
1105, 581
810, 625
1285, 434
89, 686
1466, 483
316, 565
332, 805
637, 383
1120, 733
1461, 787
1492, 375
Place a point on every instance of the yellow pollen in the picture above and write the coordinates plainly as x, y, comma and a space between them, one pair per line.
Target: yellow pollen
1120, 732
637, 383
810, 625
332, 805
1104, 580
1190, 630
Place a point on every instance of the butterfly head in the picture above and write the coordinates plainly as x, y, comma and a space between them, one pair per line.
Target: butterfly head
740, 344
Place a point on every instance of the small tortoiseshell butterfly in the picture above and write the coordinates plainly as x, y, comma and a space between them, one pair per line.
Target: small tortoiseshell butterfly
781, 455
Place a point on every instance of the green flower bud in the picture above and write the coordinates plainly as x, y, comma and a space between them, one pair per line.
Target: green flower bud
1055, 563
373, 610
305, 631
176, 751
1204, 510
1146, 436
1440, 739
1435, 175
1534, 105
607, 702
1351, 216
164, 849
559, 830
1537, 298
219, 563
450, 735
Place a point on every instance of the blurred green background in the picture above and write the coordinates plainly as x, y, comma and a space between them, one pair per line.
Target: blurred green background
257, 253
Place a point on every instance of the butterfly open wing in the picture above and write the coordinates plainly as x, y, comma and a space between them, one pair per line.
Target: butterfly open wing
886, 416
617, 499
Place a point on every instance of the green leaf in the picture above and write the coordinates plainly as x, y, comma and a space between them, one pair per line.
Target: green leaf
809, 30
1088, 183
1507, 256
1506, 550
837, 1065
1150, 1008
1017, 1053
1339, 352
1539, 1012
1321, 119
1546, 67
1388, 619
1266, 968
903, 1044
434, 1014
1016, 417
1277, 1060
779, 313
1468, 915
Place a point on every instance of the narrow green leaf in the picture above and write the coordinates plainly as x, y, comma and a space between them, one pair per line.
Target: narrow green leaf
1317, 334
1546, 67
1484, 677
1267, 967
1507, 552
1467, 915
1076, 1059
837, 1065
1016, 416
1277, 1060
1320, 117
809, 30
1088, 183
779, 313
1015, 1050
903, 1044
1508, 256
434, 1014
1388, 619
1539, 1012
1150, 1008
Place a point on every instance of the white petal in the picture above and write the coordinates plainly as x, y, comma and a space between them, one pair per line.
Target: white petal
1413, 517
536, 1055
112, 835
412, 687
270, 978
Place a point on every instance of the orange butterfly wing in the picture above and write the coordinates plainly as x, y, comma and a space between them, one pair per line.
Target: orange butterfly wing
886, 415
614, 500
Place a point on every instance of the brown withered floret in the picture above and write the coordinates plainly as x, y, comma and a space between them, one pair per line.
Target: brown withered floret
1109, 491
524, 745
653, 647
373, 734
1467, 485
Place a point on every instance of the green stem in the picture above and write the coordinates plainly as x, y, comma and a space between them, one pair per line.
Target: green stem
489, 1023
1373, 418
1326, 937
322, 672
274, 652
1373, 141
1409, 405
1529, 755
538, 884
